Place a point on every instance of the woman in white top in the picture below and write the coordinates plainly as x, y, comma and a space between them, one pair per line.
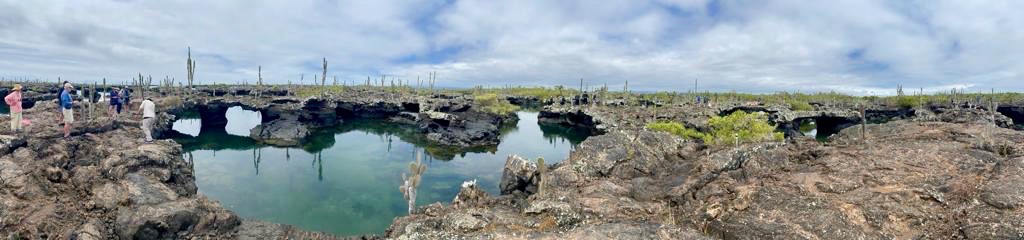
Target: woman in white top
148, 110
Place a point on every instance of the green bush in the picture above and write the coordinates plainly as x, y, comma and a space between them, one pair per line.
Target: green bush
908, 102
676, 129
312, 91
797, 105
749, 127
489, 102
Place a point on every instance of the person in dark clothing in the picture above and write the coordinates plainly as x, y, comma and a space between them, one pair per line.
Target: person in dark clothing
115, 103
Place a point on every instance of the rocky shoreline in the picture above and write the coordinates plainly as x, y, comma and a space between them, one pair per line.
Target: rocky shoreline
942, 175
104, 183
935, 173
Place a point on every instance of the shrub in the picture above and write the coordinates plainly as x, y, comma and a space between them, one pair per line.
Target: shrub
797, 105
908, 102
489, 102
314, 91
749, 127
675, 128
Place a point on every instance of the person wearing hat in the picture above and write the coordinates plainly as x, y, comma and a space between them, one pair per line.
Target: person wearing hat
60, 104
148, 110
14, 100
115, 103
66, 104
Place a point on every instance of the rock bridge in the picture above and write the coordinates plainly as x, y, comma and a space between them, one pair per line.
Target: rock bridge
444, 120
828, 121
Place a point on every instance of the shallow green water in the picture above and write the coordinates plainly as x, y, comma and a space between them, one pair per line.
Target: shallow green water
810, 128
345, 181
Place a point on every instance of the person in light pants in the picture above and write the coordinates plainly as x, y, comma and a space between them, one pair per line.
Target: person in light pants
14, 100
148, 110
66, 106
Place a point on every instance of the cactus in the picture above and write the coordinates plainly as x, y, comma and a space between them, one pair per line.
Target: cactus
259, 80
323, 77
541, 170
190, 67
412, 181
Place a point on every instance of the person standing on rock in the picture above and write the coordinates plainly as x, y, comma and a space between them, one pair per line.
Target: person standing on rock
65, 105
14, 100
60, 104
148, 110
115, 103
126, 99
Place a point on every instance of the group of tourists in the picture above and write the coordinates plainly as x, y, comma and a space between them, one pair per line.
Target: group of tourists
118, 99
65, 103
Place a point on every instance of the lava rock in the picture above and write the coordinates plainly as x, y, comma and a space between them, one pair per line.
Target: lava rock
470, 195
519, 176
280, 132
8, 143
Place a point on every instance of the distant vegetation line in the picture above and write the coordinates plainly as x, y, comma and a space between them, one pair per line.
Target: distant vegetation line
797, 100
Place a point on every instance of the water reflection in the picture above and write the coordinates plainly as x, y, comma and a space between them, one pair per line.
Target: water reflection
810, 128
349, 184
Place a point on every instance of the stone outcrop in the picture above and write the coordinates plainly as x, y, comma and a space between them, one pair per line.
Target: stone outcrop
519, 176
280, 132
931, 180
443, 120
10, 142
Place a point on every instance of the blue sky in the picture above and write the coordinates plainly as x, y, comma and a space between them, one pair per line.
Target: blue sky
856, 46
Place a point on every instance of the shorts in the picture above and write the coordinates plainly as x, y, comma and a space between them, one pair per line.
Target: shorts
69, 116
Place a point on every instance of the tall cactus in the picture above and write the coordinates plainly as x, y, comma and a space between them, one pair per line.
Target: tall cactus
190, 66
541, 170
323, 77
259, 81
411, 182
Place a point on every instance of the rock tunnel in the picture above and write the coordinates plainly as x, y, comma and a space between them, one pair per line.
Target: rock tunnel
823, 126
1015, 113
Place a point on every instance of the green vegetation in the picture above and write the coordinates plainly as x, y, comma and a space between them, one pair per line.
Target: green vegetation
808, 126
490, 103
539, 92
747, 127
312, 91
741, 126
675, 128
798, 105
909, 101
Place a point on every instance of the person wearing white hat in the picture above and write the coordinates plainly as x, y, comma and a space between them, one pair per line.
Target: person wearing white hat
66, 108
14, 100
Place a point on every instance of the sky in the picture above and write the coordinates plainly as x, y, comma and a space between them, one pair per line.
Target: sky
863, 47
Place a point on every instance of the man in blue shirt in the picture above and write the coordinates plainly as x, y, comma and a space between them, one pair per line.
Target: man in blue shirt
60, 104
65, 106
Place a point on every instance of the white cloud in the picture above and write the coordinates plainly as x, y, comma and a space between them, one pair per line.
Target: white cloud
762, 46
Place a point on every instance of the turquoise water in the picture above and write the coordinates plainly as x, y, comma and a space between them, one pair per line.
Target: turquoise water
345, 180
